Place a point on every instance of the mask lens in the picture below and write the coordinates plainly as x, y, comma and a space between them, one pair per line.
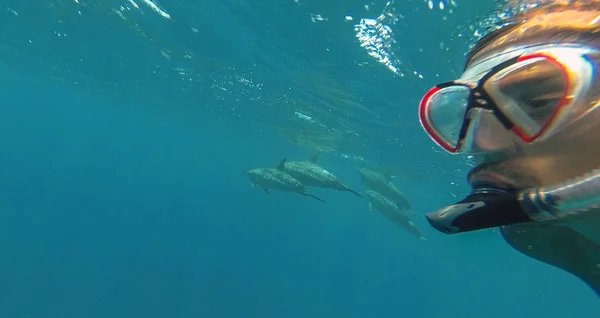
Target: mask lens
530, 92
446, 111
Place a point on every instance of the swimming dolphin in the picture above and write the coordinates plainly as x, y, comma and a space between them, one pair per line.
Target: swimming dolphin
383, 185
277, 179
392, 212
312, 175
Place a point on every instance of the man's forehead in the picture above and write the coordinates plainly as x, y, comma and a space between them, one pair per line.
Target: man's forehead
540, 28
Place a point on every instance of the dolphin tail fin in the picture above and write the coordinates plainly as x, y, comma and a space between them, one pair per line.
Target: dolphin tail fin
281, 164
424, 239
345, 188
313, 196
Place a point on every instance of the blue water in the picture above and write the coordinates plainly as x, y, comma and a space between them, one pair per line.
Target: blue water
122, 191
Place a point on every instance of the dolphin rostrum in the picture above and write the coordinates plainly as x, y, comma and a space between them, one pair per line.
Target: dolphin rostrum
392, 212
313, 175
277, 179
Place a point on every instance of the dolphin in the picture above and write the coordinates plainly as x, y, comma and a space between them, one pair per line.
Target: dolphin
392, 212
383, 185
277, 179
312, 175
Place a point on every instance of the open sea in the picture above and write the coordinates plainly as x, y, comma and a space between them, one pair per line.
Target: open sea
126, 128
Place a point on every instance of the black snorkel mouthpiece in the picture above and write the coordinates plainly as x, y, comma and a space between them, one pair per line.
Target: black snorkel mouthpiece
486, 207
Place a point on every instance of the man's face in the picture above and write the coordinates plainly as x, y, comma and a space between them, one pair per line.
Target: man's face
568, 154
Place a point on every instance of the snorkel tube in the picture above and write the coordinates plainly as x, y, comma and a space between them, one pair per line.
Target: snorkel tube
491, 206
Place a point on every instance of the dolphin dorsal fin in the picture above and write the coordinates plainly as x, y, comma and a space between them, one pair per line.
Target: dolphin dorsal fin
387, 176
281, 164
314, 157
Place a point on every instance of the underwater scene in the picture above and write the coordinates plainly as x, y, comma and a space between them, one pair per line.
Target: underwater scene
245, 158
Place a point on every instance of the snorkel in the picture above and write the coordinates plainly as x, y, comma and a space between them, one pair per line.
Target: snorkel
490, 205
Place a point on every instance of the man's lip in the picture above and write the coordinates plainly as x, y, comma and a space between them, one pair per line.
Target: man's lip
490, 174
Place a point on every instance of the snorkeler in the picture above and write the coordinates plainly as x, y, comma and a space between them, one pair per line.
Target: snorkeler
525, 108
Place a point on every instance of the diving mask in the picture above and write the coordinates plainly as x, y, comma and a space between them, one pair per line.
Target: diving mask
529, 92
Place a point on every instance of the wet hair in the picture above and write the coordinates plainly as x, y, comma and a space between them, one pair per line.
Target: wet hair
528, 9
487, 39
